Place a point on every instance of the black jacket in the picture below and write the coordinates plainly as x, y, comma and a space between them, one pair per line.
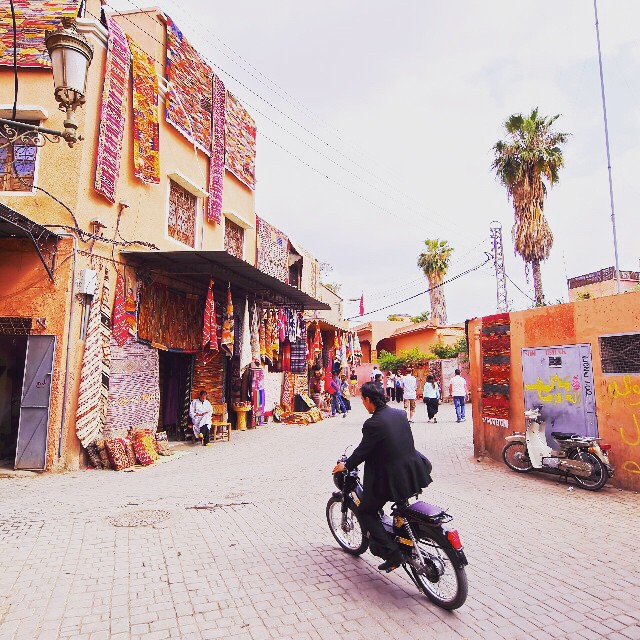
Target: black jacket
394, 470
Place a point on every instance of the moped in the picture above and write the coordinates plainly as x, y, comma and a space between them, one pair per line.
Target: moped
433, 556
582, 458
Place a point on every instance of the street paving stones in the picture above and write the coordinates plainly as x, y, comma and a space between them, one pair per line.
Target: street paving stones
231, 541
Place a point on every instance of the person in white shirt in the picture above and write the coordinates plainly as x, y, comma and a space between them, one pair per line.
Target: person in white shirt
201, 413
410, 385
375, 371
458, 391
391, 386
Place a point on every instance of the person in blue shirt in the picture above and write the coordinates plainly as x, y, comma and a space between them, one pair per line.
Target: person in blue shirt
336, 397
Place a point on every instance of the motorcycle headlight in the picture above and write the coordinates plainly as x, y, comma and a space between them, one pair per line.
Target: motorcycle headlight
338, 480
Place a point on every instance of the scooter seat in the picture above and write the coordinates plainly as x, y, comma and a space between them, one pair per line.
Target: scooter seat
560, 435
426, 510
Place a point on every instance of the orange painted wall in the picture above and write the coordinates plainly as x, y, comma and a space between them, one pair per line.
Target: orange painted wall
425, 338
617, 396
27, 291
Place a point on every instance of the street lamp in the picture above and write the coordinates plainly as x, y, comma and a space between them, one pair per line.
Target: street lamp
71, 54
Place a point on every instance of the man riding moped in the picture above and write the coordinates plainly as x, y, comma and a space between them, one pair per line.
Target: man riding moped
394, 471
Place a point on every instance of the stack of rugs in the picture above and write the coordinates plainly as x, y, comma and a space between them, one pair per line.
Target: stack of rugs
140, 446
297, 417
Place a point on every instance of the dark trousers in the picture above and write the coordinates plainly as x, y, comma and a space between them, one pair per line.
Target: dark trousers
432, 406
383, 545
205, 430
391, 393
399, 394
337, 403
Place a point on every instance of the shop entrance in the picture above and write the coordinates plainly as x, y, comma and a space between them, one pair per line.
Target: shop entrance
13, 353
176, 372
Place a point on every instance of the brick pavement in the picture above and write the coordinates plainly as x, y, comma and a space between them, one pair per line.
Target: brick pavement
545, 562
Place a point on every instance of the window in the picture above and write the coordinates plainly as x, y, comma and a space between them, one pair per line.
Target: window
620, 354
17, 164
233, 239
183, 211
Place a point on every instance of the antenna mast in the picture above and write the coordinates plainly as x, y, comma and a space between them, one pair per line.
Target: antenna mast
498, 261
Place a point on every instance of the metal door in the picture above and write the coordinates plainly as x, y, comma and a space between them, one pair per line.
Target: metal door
33, 428
560, 379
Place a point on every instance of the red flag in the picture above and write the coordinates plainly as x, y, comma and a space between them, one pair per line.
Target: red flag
362, 304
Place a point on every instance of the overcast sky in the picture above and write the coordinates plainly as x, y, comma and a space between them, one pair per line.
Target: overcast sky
396, 107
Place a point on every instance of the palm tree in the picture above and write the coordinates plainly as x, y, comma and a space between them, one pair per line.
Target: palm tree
524, 162
434, 262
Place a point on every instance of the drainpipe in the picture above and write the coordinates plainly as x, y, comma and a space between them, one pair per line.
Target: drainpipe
69, 328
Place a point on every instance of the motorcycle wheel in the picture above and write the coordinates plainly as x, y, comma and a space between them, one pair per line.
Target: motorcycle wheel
598, 478
515, 457
444, 582
351, 537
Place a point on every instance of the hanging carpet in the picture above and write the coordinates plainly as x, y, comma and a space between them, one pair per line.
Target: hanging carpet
216, 162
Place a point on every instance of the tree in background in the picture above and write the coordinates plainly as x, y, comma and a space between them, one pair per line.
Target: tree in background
423, 317
528, 158
434, 262
444, 351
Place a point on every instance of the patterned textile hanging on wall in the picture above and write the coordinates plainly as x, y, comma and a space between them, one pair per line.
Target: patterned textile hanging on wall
169, 319
88, 424
209, 375
240, 142
228, 328
245, 338
146, 130
119, 327
134, 392
495, 344
216, 162
105, 339
209, 333
131, 312
33, 18
189, 104
113, 112
272, 254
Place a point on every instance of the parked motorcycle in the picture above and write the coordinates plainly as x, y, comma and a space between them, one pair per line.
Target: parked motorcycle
582, 458
433, 554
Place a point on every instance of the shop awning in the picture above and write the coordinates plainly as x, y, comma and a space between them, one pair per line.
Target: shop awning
45, 242
222, 266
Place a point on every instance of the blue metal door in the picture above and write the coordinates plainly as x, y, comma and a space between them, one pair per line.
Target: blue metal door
560, 380
33, 428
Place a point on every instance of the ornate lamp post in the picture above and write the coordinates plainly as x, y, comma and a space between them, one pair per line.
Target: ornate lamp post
71, 54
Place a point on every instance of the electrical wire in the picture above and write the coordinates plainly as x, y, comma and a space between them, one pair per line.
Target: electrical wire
518, 288
449, 280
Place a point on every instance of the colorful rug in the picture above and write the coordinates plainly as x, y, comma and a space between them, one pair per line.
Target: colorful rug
146, 130
131, 312
113, 112
119, 327
228, 327
216, 162
105, 338
134, 391
272, 255
240, 142
33, 18
88, 422
209, 333
495, 343
245, 338
189, 105
169, 319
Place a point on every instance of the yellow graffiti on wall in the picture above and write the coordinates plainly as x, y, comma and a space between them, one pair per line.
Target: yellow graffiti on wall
555, 391
630, 466
635, 442
630, 391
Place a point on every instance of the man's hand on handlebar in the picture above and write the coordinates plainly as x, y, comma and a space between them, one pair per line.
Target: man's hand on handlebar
339, 467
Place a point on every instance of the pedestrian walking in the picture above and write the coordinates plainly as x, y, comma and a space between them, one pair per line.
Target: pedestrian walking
391, 386
201, 413
353, 384
410, 388
336, 398
458, 391
374, 372
431, 397
378, 382
399, 389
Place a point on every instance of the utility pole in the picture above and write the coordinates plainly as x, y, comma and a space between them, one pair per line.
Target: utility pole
606, 140
498, 261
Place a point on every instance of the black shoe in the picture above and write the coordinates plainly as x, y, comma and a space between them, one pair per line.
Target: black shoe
392, 563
